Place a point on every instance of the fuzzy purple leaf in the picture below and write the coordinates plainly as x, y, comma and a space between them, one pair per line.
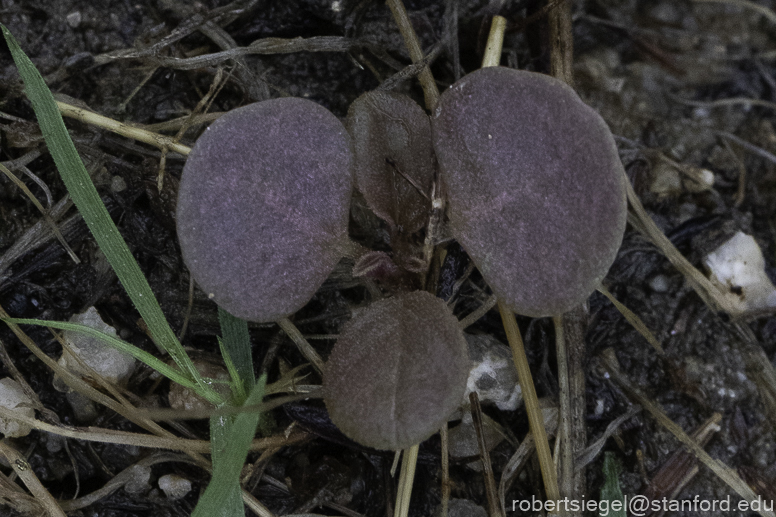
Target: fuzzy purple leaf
263, 206
535, 186
397, 372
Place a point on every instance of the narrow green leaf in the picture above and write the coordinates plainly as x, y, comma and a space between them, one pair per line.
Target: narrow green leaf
612, 503
237, 343
94, 213
236, 383
141, 355
230, 438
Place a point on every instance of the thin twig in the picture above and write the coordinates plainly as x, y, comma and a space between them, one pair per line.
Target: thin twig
483, 309
535, 419
721, 103
492, 56
406, 478
202, 106
451, 36
136, 133
45, 213
430, 90
521, 456
31, 481
741, 190
572, 433
494, 508
702, 285
561, 42
445, 470
121, 479
301, 343
747, 145
768, 13
634, 320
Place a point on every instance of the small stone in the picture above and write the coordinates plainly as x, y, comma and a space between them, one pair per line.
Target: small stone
659, 283
117, 184
174, 487
74, 19
738, 269
493, 375
114, 366
138, 482
666, 180
13, 397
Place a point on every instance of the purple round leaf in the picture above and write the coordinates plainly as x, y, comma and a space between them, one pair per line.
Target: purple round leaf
263, 206
535, 186
397, 372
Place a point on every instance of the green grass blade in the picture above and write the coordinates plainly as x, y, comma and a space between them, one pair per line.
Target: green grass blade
236, 383
114, 342
230, 439
93, 211
612, 503
237, 343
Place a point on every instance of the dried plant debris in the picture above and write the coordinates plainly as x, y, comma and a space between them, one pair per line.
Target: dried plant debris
535, 186
397, 372
263, 206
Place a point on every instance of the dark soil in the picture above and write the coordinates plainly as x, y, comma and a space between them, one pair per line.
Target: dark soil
636, 62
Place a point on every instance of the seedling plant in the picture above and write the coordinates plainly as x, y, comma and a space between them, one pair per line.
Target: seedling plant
390, 144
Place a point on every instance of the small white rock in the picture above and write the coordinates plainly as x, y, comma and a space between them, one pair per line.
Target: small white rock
493, 375
113, 365
659, 283
738, 269
599, 407
13, 397
74, 19
117, 184
138, 482
174, 486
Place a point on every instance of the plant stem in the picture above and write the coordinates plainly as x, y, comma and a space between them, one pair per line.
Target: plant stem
302, 344
535, 419
430, 90
492, 55
139, 134
445, 470
572, 436
561, 42
494, 508
406, 478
